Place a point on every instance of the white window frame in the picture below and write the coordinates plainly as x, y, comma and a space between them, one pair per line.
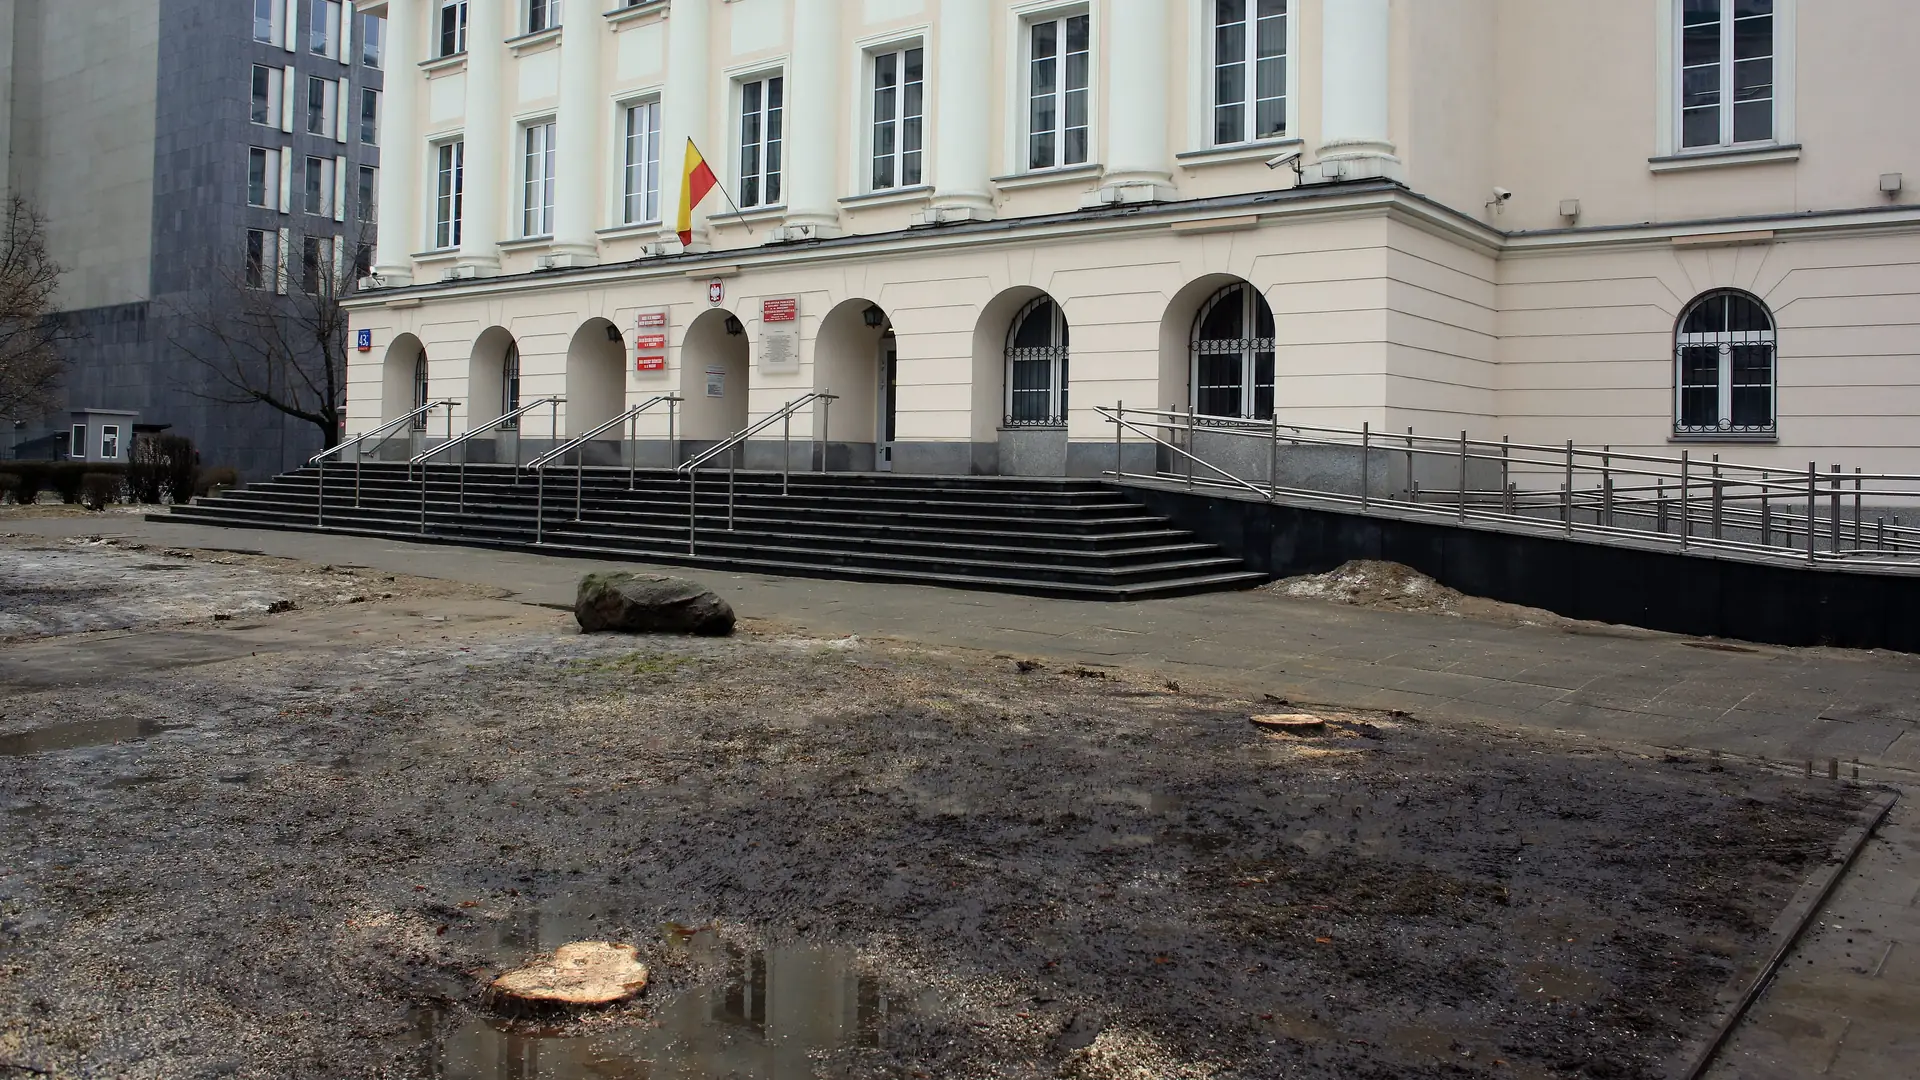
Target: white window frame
276, 86
109, 442
367, 195
539, 173
368, 93
736, 139
624, 190
373, 41
1667, 137
440, 29
270, 172
77, 437
269, 259
1201, 56
1724, 342
325, 18
541, 16
325, 169
1019, 76
449, 188
1057, 354
329, 106
274, 30
322, 270
869, 113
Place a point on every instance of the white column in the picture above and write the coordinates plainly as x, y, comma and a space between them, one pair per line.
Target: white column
1356, 139
580, 131
962, 61
813, 82
486, 140
683, 115
1138, 166
400, 152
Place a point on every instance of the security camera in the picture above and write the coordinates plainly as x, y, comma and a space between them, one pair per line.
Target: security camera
1501, 194
1287, 158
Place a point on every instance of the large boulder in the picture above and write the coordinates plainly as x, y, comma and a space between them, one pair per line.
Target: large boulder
583, 974
650, 603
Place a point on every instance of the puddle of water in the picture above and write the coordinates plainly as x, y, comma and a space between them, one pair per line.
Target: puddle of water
79, 733
775, 1011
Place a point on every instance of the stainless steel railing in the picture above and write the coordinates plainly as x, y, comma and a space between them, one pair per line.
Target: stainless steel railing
385, 431
1765, 513
730, 446
499, 424
630, 418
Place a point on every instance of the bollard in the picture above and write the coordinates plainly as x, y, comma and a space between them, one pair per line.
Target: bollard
1366, 456
1686, 505
1833, 768
1463, 476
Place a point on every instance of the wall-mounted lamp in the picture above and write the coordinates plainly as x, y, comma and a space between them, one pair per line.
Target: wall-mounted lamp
1890, 183
874, 316
613, 332
734, 329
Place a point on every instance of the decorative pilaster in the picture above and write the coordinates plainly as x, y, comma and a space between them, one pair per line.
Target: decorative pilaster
813, 83
400, 194
683, 111
1356, 139
1139, 167
577, 130
486, 138
962, 58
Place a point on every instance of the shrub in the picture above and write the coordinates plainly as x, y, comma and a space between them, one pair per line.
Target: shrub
67, 478
220, 476
146, 470
32, 479
9, 483
182, 467
100, 488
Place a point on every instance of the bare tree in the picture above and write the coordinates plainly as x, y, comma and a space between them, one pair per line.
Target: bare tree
31, 361
276, 334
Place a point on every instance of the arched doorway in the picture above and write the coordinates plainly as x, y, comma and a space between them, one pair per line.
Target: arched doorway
713, 380
493, 390
403, 378
596, 377
1024, 335
854, 344
1231, 352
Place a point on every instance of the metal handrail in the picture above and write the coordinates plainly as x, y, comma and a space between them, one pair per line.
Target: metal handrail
385, 431
1677, 500
539, 464
495, 425
729, 445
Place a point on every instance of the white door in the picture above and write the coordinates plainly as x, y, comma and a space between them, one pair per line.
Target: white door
883, 427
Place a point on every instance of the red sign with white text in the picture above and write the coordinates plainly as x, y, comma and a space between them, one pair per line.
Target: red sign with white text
779, 310
650, 344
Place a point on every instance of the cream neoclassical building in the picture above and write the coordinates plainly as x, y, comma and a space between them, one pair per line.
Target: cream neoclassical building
1639, 223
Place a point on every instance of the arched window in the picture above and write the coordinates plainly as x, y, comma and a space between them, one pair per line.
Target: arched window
1233, 355
510, 385
420, 390
1037, 366
1724, 367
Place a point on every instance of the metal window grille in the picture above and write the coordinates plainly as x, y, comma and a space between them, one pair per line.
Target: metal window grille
510, 386
420, 390
1724, 361
1232, 350
1037, 366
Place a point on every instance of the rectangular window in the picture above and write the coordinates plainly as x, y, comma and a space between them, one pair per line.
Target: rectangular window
320, 186
640, 180
324, 38
1726, 72
536, 204
266, 21
1059, 64
323, 97
370, 116
362, 261
453, 27
77, 441
373, 30
1249, 70
316, 265
263, 178
449, 194
762, 110
110, 442
263, 258
369, 193
542, 15
899, 93
266, 96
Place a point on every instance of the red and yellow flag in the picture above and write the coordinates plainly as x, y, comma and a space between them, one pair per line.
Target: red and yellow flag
695, 183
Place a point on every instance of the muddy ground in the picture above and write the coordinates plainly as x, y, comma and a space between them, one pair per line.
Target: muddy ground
846, 859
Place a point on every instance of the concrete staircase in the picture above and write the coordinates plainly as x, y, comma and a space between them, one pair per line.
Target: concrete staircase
1080, 539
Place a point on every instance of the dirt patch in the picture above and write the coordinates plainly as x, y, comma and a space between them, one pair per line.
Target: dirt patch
103, 583
1390, 586
850, 859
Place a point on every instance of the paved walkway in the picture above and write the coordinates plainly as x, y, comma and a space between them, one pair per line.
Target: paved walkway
1844, 1002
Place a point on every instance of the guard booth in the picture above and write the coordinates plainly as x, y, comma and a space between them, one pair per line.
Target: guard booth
101, 435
